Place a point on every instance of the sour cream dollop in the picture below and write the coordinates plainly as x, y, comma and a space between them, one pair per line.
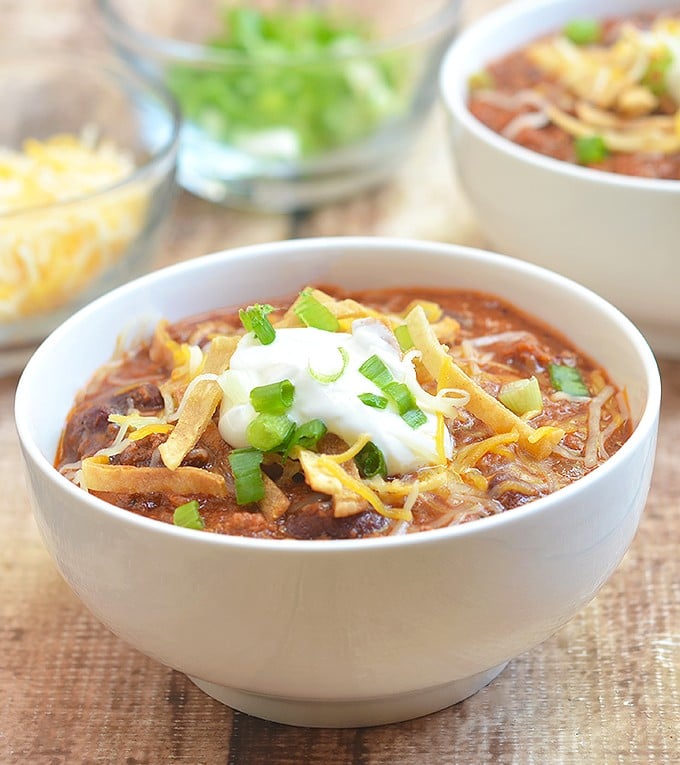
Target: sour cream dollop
298, 354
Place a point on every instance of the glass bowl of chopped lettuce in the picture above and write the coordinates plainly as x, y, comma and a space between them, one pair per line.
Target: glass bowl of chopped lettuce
288, 105
87, 165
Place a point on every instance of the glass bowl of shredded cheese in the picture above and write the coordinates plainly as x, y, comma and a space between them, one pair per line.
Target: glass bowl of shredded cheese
87, 162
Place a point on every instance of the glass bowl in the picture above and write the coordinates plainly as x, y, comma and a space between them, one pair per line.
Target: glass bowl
287, 106
87, 165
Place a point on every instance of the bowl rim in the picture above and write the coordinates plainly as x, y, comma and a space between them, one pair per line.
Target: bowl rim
438, 23
162, 159
453, 90
645, 428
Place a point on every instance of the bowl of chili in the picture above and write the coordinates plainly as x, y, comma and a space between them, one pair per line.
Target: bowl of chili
298, 574
563, 125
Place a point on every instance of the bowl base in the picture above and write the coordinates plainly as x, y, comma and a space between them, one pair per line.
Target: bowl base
350, 714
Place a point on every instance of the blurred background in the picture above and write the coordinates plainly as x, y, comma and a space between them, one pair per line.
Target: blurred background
344, 138
73, 693
403, 206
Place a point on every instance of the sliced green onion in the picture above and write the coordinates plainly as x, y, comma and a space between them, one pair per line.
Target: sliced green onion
583, 31
401, 396
313, 313
414, 418
269, 431
308, 434
522, 396
590, 149
372, 399
276, 103
376, 371
275, 398
245, 461
654, 77
406, 404
403, 337
187, 516
254, 319
248, 481
370, 461
399, 393
567, 379
322, 378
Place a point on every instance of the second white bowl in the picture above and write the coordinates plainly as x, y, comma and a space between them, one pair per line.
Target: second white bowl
616, 234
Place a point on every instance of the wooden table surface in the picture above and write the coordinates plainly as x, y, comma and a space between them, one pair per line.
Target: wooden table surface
605, 689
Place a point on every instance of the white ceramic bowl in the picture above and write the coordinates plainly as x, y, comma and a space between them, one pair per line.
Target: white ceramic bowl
350, 632
616, 234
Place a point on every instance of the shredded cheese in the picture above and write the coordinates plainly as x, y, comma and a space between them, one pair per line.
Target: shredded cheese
352, 451
469, 456
593, 444
611, 95
430, 479
55, 238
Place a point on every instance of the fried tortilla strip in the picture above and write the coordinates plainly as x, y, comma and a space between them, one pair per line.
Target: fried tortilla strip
426, 341
538, 442
321, 477
602, 118
325, 474
446, 329
433, 311
638, 140
274, 503
347, 310
337, 450
164, 350
199, 405
129, 479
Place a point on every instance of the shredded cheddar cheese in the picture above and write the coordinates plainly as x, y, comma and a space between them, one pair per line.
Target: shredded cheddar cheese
55, 237
613, 94
317, 465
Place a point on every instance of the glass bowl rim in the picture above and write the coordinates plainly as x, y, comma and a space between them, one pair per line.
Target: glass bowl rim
435, 24
105, 67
